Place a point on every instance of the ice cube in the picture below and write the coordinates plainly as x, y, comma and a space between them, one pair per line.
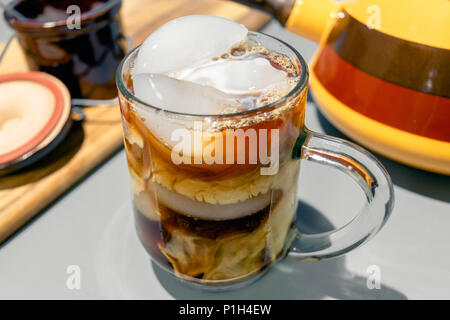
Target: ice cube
185, 41
181, 96
237, 77
175, 95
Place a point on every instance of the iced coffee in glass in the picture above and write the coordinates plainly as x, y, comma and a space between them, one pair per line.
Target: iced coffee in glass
213, 117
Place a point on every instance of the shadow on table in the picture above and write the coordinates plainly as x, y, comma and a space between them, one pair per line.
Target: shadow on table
429, 184
293, 279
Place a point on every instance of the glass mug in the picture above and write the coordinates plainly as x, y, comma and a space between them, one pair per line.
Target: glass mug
224, 224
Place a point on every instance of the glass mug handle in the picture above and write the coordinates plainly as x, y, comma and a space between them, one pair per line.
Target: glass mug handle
370, 175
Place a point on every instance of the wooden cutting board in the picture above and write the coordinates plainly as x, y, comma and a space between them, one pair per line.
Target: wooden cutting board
24, 194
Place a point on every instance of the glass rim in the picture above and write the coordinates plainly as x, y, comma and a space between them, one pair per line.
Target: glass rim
298, 88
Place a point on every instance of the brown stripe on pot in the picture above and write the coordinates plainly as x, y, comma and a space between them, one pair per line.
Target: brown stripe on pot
405, 63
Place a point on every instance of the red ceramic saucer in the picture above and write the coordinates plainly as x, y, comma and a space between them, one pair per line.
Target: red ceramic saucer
34, 108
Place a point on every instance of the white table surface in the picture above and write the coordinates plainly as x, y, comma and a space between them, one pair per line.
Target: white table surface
91, 226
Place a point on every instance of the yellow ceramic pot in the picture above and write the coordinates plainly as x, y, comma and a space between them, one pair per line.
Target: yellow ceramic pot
382, 73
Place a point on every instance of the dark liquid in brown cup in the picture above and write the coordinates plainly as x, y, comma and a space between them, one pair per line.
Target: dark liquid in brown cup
84, 59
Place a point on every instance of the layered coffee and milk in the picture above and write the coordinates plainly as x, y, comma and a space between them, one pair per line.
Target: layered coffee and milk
209, 145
